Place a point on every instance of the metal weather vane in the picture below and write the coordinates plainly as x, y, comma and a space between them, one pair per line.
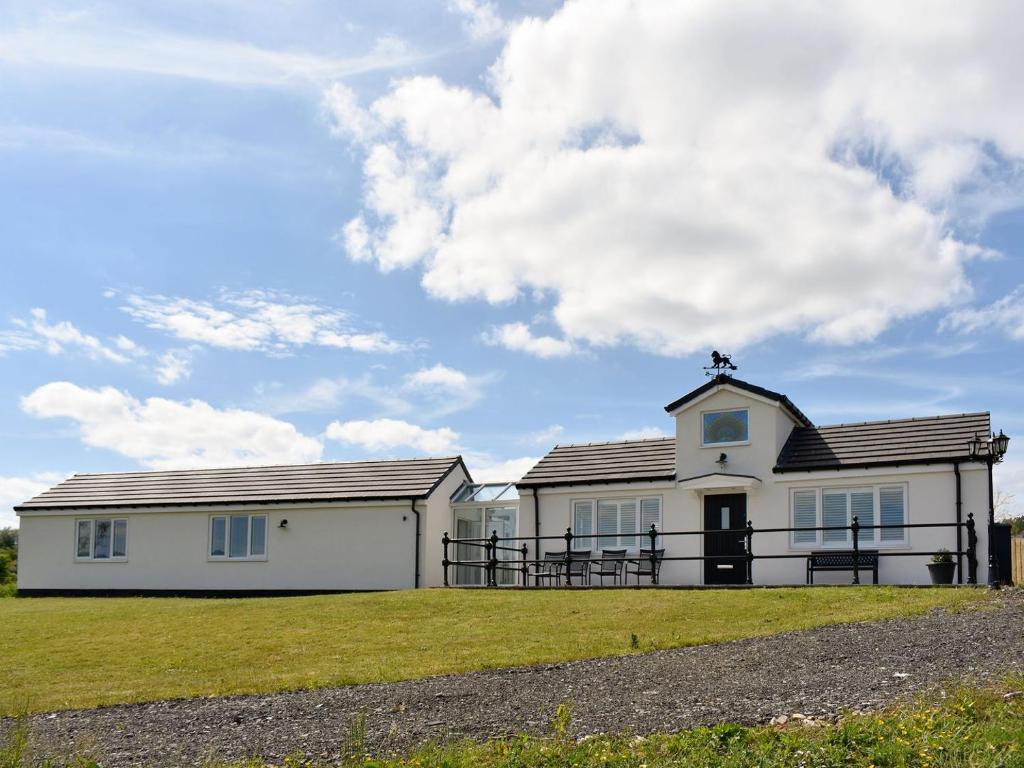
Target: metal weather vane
720, 365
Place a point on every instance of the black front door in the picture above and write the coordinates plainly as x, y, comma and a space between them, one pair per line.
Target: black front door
721, 513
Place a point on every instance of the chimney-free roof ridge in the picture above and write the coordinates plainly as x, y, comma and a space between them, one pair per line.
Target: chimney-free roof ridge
615, 442
903, 420
242, 467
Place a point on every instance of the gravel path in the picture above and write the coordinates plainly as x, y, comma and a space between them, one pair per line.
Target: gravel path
816, 672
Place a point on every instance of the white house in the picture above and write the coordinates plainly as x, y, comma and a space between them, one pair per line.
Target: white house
285, 529
741, 454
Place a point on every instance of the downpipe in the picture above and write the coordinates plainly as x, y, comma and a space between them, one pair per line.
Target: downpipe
416, 558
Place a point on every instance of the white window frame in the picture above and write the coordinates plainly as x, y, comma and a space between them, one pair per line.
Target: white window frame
642, 537
91, 558
875, 543
226, 557
723, 445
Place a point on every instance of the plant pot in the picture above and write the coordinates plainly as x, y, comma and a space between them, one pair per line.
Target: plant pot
942, 573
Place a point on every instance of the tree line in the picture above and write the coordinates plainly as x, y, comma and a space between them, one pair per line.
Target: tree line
8, 556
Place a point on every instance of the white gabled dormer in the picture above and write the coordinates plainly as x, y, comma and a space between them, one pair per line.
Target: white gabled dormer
747, 423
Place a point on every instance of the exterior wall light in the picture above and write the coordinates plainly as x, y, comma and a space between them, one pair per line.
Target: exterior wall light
283, 524
1000, 443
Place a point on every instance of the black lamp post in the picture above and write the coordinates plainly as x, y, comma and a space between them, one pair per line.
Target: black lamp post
992, 451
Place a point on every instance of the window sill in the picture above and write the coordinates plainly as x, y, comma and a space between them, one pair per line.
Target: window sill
725, 445
236, 559
101, 560
848, 547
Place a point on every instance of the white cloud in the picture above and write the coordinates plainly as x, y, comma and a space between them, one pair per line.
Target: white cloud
480, 18
643, 433
390, 434
57, 338
173, 366
327, 394
15, 490
546, 436
485, 469
127, 345
446, 390
677, 176
519, 337
167, 434
83, 41
1006, 315
265, 321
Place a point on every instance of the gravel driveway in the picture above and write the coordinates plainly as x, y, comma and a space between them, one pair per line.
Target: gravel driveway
816, 672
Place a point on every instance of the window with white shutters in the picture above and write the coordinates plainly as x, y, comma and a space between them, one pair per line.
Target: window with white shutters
805, 515
880, 505
833, 513
621, 523
862, 506
650, 514
607, 524
892, 510
583, 525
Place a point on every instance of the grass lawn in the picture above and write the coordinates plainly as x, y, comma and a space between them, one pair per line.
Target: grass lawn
63, 653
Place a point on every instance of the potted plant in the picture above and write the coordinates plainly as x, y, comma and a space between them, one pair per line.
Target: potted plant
942, 567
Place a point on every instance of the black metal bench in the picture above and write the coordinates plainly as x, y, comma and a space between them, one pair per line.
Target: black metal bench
842, 560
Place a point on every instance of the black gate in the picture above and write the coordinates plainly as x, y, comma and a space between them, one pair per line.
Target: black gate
722, 513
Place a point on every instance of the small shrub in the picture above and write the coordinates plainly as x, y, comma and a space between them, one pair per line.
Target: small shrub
561, 722
942, 555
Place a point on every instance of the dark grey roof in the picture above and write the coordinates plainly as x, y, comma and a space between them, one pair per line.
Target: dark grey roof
722, 379
338, 481
882, 443
626, 461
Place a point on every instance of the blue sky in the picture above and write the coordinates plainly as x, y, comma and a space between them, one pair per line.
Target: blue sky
319, 231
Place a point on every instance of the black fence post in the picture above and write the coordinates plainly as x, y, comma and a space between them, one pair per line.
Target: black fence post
526, 566
653, 533
750, 552
972, 550
568, 557
493, 563
855, 529
445, 562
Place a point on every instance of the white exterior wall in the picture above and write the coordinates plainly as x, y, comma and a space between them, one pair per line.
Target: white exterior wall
325, 547
930, 497
436, 521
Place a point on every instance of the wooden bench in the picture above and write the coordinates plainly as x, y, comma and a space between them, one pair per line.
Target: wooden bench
842, 560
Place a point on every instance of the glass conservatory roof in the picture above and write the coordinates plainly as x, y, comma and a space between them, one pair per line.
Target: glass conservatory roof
484, 492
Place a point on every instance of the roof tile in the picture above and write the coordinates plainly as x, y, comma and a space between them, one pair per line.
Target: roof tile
335, 481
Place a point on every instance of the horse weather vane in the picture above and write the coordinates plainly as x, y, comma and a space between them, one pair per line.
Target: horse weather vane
720, 365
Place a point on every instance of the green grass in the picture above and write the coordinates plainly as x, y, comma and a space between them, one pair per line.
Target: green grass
63, 653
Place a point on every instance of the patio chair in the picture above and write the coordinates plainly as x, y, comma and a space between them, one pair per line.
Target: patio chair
611, 564
579, 566
642, 565
551, 569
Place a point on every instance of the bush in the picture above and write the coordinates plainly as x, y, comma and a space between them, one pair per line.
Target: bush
8, 556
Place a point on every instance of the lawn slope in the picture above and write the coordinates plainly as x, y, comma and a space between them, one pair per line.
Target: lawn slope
61, 653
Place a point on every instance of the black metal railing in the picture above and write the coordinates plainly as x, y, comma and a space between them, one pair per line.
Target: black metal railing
520, 563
